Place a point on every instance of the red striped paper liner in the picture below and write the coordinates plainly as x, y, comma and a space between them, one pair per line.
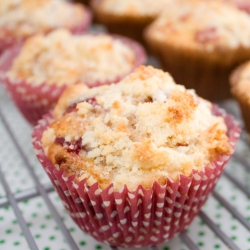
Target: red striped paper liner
137, 218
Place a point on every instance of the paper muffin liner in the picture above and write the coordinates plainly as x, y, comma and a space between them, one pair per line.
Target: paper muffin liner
36, 100
135, 218
10, 40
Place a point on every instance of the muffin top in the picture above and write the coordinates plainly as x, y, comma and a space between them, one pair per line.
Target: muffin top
143, 129
240, 82
133, 7
202, 25
22, 18
62, 58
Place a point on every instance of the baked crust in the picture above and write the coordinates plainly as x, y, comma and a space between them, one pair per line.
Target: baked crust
206, 26
143, 129
64, 59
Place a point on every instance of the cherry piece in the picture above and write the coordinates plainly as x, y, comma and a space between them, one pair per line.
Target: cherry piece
72, 146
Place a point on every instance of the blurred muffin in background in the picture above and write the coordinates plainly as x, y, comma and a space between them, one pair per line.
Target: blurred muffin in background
20, 19
37, 72
199, 43
128, 17
240, 86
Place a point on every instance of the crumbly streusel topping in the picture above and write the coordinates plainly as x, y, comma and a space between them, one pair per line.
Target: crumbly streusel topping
62, 58
141, 130
202, 25
22, 18
133, 7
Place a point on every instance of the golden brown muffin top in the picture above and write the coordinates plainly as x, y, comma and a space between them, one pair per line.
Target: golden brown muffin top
143, 129
22, 18
205, 25
63, 58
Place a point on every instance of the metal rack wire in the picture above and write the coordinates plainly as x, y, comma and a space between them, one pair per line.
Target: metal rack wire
43, 190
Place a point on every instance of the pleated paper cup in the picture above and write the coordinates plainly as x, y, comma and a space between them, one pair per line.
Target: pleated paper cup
137, 218
140, 59
34, 100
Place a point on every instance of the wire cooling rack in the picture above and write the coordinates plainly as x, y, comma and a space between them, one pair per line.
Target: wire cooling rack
32, 216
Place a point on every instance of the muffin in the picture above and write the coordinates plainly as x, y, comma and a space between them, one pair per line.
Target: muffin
36, 73
200, 43
240, 84
129, 17
134, 162
23, 18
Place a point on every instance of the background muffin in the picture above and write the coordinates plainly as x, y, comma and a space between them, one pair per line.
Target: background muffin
128, 17
37, 72
122, 148
23, 18
240, 85
200, 43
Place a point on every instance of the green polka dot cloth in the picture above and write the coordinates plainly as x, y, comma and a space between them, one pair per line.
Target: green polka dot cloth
47, 233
